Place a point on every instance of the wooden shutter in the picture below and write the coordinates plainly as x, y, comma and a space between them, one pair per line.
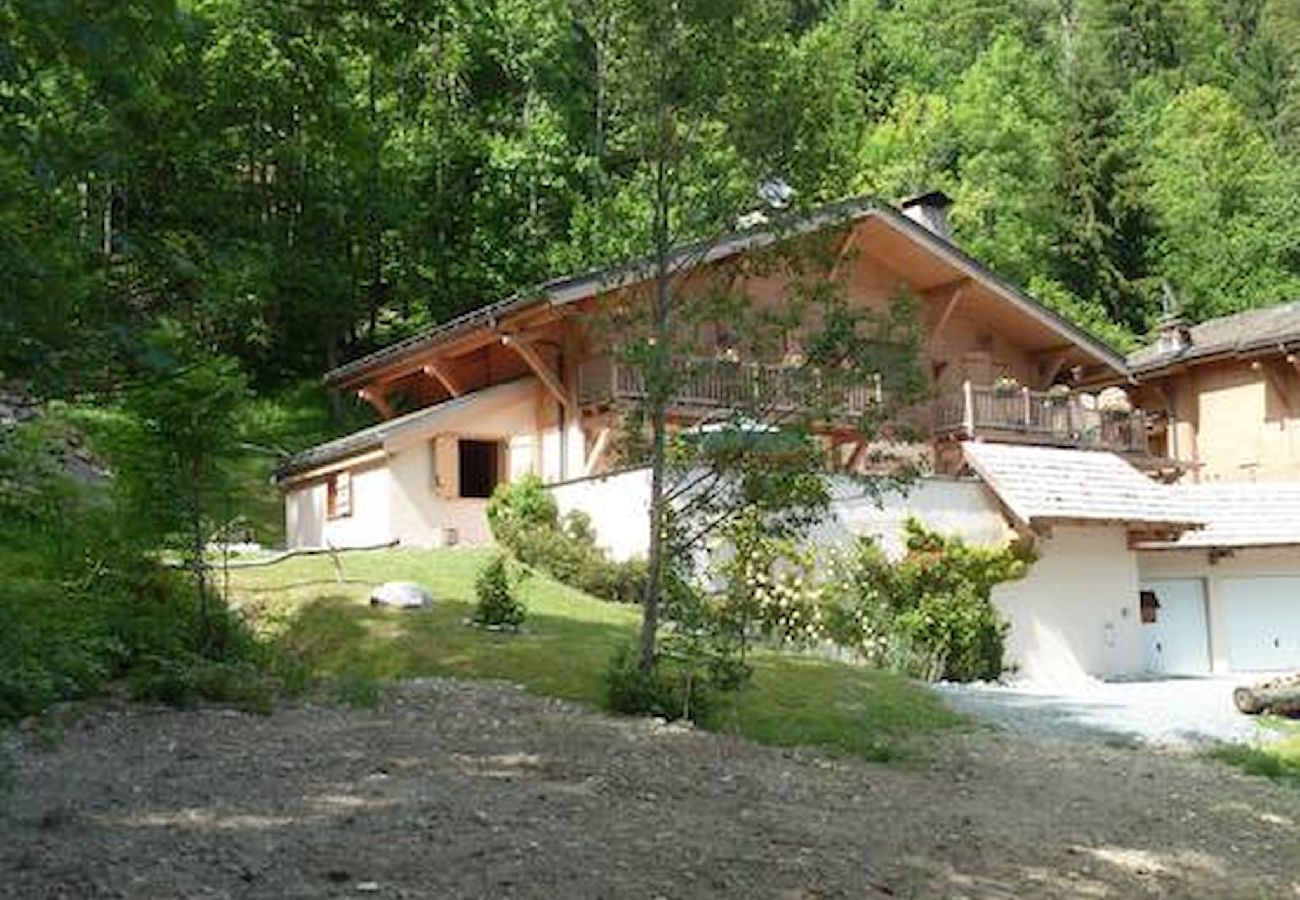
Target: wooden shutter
446, 466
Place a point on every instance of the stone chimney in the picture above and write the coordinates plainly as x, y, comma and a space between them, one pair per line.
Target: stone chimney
930, 210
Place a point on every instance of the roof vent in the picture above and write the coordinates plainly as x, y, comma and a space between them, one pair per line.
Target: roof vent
930, 210
1175, 333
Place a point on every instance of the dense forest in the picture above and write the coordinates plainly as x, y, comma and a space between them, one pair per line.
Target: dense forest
292, 183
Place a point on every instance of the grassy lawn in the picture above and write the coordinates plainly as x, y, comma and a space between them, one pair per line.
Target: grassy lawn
568, 639
1278, 759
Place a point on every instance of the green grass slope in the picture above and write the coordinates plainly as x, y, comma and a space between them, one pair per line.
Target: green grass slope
567, 641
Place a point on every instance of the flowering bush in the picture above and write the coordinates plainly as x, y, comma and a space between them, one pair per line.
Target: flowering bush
929, 615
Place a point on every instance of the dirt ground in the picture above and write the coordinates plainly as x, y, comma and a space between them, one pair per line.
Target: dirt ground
475, 790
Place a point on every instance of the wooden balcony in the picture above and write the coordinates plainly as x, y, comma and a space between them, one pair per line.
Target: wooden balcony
710, 384
974, 411
1025, 416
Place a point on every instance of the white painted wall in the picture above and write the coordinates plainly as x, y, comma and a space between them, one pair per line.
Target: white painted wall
619, 507
955, 506
367, 526
425, 514
1243, 563
619, 504
1075, 613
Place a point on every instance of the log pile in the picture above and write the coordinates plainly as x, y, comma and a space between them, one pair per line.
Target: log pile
1277, 696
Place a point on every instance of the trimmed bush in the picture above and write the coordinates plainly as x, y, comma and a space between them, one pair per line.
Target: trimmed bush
498, 606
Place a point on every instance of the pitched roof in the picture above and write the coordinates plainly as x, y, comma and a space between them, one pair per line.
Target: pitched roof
1046, 485
1248, 514
1240, 333
375, 436
570, 288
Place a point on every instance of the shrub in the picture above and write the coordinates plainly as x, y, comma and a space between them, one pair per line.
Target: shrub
671, 690
521, 504
929, 615
81, 605
498, 606
524, 520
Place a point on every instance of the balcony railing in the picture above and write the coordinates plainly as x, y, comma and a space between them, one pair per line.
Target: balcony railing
716, 384
1017, 415
1025, 416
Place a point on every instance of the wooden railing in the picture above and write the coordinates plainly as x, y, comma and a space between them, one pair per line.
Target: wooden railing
1038, 417
719, 384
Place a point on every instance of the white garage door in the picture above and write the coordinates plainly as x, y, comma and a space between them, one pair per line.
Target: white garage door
1175, 629
1263, 623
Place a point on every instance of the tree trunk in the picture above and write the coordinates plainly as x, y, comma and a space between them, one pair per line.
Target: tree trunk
657, 391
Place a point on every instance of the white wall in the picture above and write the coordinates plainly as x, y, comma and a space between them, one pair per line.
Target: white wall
1242, 563
1075, 613
368, 525
619, 507
619, 504
423, 515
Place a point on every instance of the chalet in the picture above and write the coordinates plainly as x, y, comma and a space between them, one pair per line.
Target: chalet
1223, 400
1017, 438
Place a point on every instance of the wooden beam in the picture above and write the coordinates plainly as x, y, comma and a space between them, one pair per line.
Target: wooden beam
436, 368
1276, 381
528, 353
855, 456
946, 314
376, 398
597, 451
1049, 368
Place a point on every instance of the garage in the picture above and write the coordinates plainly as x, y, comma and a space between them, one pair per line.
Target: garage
1262, 621
1246, 560
1175, 626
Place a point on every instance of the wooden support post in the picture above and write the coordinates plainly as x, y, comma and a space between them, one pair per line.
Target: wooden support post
968, 408
855, 457
528, 353
1277, 382
945, 315
437, 369
1028, 407
597, 452
376, 398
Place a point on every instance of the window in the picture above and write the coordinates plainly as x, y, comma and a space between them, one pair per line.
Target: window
338, 496
1149, 606
479, 467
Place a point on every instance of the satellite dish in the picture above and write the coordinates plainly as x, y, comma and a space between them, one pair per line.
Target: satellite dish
775, 193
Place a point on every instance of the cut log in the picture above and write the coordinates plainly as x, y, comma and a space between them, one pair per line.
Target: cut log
1278, 697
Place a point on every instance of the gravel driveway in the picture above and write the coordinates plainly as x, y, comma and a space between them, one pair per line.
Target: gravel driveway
1169, 712
455, 790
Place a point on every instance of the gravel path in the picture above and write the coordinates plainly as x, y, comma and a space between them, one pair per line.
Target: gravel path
1169, 712
472, 790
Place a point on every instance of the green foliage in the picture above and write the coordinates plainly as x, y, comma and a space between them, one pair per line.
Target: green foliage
523, 503
673, 689
1277, 758
524, 519
929, 614
498, 604
83, 605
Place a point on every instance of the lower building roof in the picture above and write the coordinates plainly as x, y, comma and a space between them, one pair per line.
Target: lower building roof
359, 442
1253, 514
1043, 486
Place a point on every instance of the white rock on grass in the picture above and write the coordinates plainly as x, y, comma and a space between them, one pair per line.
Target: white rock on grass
401, 594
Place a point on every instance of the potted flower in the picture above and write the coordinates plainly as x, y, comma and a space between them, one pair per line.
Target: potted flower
1113, 403
1005, 386
1058, 395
